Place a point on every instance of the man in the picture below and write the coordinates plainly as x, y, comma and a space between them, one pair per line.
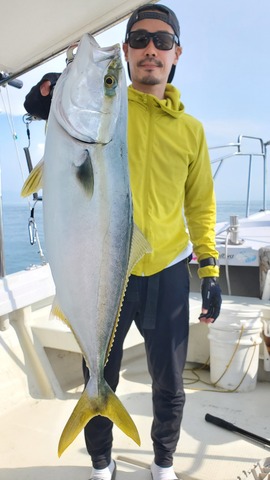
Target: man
169, 171
170, 177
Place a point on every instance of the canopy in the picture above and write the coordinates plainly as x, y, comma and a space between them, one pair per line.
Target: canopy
32, 31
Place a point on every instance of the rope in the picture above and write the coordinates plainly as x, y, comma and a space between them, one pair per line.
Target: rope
206, 365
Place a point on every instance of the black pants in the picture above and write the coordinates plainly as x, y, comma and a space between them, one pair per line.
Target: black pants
159, 305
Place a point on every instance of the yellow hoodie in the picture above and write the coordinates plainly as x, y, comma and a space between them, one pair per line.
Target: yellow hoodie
171, 180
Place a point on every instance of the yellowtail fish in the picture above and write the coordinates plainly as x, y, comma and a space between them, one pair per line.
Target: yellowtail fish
91, 241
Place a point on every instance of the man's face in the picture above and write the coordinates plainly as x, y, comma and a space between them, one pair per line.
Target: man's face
150, 66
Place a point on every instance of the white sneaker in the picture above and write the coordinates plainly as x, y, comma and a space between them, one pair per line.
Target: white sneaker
107, 473
162, 473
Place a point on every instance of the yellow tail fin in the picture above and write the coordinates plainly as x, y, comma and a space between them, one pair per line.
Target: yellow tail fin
106, 404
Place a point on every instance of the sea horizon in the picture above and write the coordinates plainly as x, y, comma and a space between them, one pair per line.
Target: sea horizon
20, 254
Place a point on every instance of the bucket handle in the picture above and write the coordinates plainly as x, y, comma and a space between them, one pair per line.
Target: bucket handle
231, 359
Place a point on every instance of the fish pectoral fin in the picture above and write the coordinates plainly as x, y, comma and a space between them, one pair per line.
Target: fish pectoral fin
85, 174
139, 247
33, 183
106, 404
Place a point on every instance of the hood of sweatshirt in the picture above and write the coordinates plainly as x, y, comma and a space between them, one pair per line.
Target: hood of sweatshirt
171, 104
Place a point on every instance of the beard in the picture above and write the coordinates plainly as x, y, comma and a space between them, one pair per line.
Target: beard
149, 78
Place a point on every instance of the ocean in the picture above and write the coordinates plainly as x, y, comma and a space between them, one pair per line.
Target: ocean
20, 254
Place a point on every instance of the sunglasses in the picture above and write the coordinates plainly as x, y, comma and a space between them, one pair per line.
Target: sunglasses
141, 38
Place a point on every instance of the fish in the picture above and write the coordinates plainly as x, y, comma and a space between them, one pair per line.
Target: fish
91, 240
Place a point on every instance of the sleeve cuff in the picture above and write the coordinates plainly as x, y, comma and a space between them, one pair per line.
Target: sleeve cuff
210, 271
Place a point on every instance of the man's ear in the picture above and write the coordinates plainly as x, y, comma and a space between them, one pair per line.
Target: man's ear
125, 50
178, 53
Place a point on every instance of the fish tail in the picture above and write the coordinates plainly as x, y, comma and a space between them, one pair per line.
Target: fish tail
106, 404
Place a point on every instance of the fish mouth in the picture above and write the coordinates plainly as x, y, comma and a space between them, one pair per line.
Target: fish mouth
91, 142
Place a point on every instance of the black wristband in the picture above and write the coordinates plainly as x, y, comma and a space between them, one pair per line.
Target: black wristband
211, 261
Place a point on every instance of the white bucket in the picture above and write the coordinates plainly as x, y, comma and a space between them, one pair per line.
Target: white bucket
234, 350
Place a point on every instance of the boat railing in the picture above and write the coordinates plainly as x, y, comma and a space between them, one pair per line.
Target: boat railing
260, 150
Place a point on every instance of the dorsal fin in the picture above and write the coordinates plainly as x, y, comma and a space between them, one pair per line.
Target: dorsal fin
139, 247
33, 183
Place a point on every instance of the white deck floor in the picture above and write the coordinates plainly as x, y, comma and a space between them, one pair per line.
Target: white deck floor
31, 425
30, 433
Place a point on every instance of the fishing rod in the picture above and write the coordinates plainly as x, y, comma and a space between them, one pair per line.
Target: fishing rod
5, 79
219, 422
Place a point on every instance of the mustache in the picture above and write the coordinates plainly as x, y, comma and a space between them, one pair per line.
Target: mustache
156, 62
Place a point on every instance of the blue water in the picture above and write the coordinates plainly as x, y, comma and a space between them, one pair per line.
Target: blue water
19, 254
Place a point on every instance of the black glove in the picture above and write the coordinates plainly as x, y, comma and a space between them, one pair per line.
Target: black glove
211, 297
36, 104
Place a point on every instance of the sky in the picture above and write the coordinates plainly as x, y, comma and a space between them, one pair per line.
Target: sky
223, 76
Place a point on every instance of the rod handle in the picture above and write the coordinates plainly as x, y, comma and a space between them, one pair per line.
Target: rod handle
219, 422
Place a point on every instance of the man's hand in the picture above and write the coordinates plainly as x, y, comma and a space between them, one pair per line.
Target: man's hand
211, 300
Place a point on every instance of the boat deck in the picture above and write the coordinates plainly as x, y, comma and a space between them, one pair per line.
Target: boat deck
250, 237
30, 431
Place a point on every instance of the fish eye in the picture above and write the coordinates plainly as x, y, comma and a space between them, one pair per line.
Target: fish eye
110, 83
